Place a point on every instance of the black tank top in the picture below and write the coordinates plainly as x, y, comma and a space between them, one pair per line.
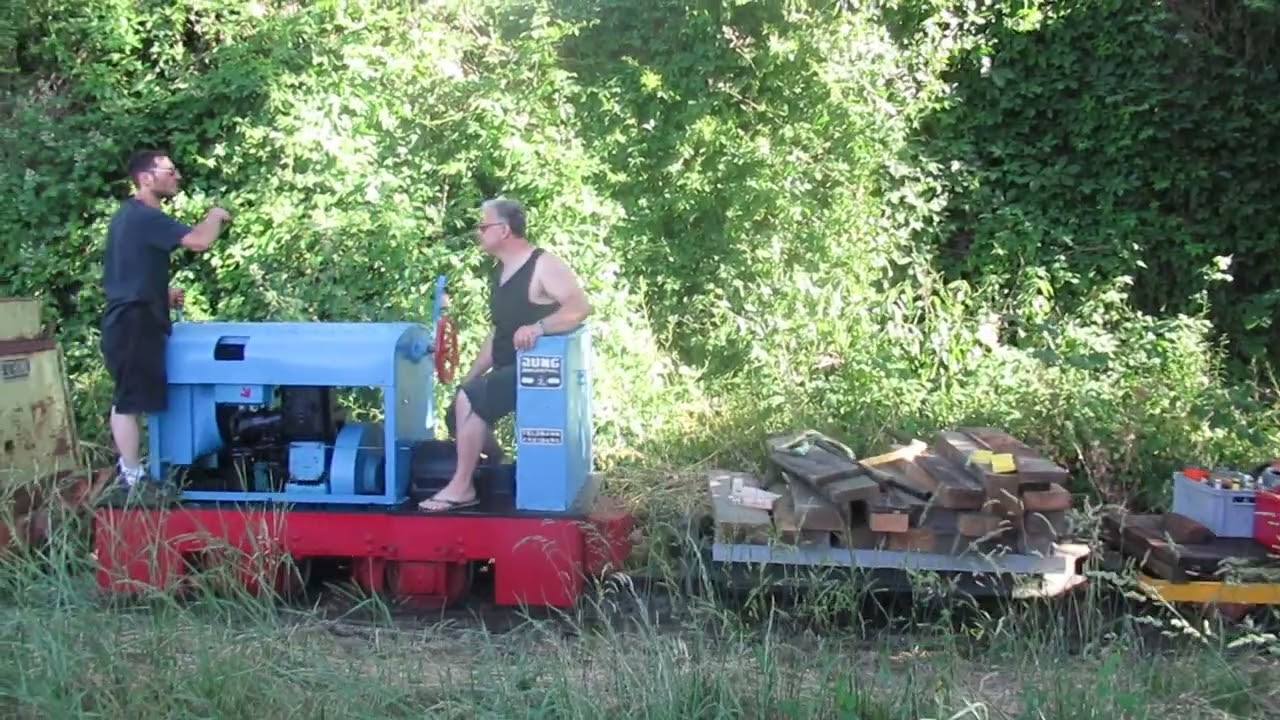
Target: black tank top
510, 308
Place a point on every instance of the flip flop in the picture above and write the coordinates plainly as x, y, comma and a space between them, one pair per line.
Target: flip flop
450, 505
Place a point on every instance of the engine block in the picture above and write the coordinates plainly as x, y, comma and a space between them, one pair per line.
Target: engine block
252, 413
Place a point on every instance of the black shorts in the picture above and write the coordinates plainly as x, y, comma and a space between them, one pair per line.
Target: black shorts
133, 348
492, 395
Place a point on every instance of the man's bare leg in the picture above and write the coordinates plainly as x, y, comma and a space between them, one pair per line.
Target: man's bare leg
125, 432
491, 449
469, 438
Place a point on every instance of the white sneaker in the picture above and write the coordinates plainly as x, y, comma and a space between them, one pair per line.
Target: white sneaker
129, 477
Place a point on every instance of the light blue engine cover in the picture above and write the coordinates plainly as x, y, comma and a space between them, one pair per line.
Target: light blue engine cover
553, 421
241, 363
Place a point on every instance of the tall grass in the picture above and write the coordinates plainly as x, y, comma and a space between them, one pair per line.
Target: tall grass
672, 647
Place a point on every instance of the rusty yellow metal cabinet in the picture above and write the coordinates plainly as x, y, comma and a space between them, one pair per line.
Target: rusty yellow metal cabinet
38, 440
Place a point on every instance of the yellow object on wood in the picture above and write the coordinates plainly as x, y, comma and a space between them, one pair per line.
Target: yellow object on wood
1002, 463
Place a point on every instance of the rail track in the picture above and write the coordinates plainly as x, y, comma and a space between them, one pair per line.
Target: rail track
680, 583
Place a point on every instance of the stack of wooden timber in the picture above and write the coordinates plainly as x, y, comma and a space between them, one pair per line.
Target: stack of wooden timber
971, 489
1174, 547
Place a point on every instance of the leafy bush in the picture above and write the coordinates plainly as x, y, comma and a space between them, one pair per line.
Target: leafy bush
876, 221
1081, 143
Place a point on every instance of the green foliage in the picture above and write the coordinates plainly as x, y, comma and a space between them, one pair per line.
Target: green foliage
351, 149
1079, 144
871, 221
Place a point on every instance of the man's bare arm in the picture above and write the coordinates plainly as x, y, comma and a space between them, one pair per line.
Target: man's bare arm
206, 231
561, 284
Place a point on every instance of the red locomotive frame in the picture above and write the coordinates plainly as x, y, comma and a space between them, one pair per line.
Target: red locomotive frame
538, 560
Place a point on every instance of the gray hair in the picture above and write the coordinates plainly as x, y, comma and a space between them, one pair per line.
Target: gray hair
507, 211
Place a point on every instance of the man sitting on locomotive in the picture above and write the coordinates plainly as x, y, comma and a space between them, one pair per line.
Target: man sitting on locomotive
532, 293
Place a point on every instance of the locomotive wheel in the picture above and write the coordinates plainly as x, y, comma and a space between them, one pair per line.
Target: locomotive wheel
428, 586
416, 585
446, 349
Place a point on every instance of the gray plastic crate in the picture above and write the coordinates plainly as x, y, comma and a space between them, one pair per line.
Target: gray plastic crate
1228, 513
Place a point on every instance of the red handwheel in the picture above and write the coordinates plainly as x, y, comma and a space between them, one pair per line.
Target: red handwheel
446, 349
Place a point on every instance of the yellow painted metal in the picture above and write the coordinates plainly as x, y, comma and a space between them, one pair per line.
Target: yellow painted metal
1212, 592
37, 427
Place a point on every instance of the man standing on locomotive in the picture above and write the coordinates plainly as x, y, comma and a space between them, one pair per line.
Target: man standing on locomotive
532, 293
135, 324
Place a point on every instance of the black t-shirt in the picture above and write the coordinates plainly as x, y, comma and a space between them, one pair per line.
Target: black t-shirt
135, 267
